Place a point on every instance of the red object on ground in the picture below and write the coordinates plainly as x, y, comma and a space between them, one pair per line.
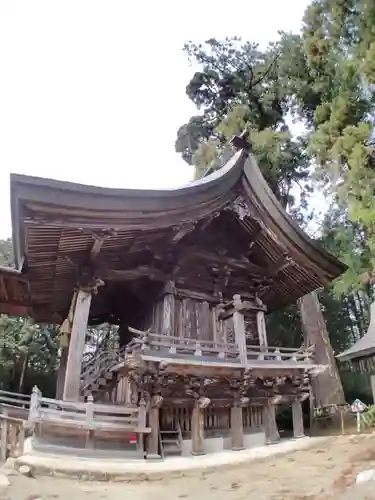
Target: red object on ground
132, 438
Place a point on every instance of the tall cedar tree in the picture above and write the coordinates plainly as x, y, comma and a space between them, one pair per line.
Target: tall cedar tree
239, 86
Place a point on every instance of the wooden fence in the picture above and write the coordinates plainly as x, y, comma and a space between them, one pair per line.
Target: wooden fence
19, 413
89, 415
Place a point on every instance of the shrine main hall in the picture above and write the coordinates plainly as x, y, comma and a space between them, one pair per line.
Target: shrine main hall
188, 276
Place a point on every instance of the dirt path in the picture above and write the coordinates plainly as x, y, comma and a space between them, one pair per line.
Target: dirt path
326, 472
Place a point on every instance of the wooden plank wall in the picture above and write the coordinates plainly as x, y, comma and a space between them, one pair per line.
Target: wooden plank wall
193, 319
123, 391
214, 418
196, 319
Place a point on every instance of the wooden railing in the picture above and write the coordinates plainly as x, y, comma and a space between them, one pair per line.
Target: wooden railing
100, 364
192, 347
12, 436
14, 399
14, 411
88, 416
170, 345
260, 353
19, 412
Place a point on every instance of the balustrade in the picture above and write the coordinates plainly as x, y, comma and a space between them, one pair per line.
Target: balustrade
167, 345
89, 415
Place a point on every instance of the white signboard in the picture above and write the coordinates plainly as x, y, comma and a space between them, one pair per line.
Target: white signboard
358, 407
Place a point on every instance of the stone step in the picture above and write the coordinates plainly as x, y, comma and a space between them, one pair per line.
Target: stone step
40, 447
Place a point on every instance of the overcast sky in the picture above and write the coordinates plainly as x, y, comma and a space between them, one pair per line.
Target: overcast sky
94, 91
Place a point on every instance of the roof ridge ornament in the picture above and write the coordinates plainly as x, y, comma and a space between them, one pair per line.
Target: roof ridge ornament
242, 141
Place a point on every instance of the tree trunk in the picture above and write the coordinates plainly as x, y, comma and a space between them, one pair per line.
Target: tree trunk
327, 387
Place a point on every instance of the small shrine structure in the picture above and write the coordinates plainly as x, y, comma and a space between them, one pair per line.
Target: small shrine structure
361, 355
188, 274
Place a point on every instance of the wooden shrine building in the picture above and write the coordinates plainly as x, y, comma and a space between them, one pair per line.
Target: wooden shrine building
361, 355
188, 274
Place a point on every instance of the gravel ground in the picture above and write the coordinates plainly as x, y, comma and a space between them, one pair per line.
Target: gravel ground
325, 472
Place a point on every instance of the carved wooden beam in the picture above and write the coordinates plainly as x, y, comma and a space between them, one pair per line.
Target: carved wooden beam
257, 234
304, 396
136, 273
240, 207
203, 402
282, 263
181, 231
98, 243
241, 264
278, 399
156, 401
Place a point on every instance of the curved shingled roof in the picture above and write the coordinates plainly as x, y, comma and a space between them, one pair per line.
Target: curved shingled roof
52, 217
365, 346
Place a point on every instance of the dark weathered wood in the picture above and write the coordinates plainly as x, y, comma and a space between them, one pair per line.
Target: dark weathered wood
261, 326
327, 386
236, 428
272, 435
189, 316
153, 438
372, 378
239, 331
197, 427
96, 247
168, 316
203, 321
298, 428
76, 347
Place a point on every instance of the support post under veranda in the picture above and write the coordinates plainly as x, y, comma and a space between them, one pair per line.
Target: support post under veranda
271, 431
153, 437
197, 426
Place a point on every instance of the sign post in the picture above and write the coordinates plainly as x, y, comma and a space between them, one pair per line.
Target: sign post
357, 408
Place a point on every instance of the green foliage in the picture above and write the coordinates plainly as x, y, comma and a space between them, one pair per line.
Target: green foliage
368, 418
239, 86
356, 386
339, 42
284, 328
322, 78
28, 351
6, 253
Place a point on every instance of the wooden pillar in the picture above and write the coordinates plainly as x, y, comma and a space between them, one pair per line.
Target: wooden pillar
262, 332
239, 329
373, 387
153, 437
298, 430
270, 425
76, 347
236, 427
120, 390
197, 426
61, 373
167, 324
